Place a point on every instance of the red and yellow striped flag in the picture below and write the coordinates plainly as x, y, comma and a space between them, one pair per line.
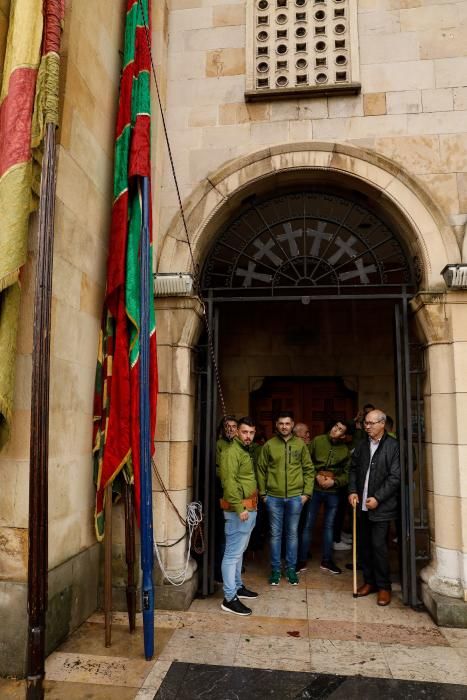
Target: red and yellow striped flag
27, 103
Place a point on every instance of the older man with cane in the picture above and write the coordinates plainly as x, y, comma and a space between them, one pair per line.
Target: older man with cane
374, 483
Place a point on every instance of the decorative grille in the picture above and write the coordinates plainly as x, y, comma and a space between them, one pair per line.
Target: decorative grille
306, 240
301, 46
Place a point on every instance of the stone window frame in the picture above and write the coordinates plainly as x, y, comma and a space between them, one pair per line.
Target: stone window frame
297, 81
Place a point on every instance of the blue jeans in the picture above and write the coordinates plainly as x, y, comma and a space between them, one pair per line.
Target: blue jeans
331, 502
284, 513
237, 536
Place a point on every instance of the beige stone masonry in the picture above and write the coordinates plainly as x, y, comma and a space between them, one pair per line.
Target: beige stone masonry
407, 102
374, 103
438, 100
221, 62
241, 112
228, 15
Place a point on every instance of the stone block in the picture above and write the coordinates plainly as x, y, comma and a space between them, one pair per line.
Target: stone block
460, 98
181, 418
418, 19
462, 191
66, 282
222, 62
269, 133
13, 630
419, 154
196, 18
204, 160
374, 103
316, 108
382, 19
382, 48
218, 136
445, 611
350, 106
450, 72
300, 130
436, 122
186, 65
181, 465
220, 38
205, 115
449, 526
439, 43
13, 553
241, 112
399, 76
407, 102
444, 191
91, 297
453, 150
438, 100
228, 15
445, 470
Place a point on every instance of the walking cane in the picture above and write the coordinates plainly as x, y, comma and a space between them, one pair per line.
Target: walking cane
354, 549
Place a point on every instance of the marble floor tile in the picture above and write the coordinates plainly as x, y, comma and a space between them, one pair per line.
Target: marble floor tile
201, 647
155, 677
12, 689
289, 601
291, 654
435, 664
97, 670
328, 605
255, 624
348, 658
374, 632
89, 639
455, 637
56, 690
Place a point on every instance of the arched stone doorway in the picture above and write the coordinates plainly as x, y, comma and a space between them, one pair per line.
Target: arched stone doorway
428, 242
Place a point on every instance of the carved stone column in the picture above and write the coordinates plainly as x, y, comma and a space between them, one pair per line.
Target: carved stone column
442, 318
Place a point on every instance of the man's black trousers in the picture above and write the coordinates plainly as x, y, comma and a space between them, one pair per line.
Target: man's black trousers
373, 551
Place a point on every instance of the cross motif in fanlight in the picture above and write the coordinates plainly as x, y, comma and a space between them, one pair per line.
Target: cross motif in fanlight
266, 249
251, 275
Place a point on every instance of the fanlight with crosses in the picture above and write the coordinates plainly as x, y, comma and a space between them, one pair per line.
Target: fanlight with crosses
306, 240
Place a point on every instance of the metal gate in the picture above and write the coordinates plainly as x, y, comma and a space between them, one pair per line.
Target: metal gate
314, 245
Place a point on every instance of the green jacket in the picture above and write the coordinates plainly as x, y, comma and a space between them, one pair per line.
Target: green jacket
285, 468
329, 456
221, 445
237, 474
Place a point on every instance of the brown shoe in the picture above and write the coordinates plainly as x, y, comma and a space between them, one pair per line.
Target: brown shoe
366, 589
384, 597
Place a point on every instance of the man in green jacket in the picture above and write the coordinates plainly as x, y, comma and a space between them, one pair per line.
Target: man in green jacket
331, 457
239, 505
285, 480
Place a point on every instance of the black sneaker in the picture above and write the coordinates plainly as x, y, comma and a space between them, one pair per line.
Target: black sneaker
235, 606
330, 566
245, 593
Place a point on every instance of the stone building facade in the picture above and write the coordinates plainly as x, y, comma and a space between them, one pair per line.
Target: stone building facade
398, 140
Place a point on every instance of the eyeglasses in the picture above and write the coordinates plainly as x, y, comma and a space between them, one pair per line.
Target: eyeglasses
373, 422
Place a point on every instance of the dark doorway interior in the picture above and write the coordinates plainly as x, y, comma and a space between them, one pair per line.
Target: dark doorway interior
317, 401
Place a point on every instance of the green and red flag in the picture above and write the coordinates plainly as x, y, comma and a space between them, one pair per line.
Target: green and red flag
116, 402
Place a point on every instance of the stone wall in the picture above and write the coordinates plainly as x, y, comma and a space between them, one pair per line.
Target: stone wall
90, 60
412, 106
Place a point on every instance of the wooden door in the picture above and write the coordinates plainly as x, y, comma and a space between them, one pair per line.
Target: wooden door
317, 401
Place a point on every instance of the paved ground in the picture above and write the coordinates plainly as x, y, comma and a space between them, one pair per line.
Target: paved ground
316, 628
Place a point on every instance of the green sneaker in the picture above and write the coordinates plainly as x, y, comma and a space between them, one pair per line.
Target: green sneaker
291, 576
275, 577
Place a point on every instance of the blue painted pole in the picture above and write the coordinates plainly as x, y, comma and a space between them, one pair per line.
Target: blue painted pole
147, 553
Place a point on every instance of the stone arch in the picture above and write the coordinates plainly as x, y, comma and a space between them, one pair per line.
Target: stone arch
420, 222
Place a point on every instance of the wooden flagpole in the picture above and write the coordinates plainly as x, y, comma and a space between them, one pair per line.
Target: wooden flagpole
108, 566
39, 431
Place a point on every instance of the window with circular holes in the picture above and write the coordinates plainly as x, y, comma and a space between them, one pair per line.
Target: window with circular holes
302, 46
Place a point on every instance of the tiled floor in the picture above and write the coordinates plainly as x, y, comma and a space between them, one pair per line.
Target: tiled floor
316, 627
